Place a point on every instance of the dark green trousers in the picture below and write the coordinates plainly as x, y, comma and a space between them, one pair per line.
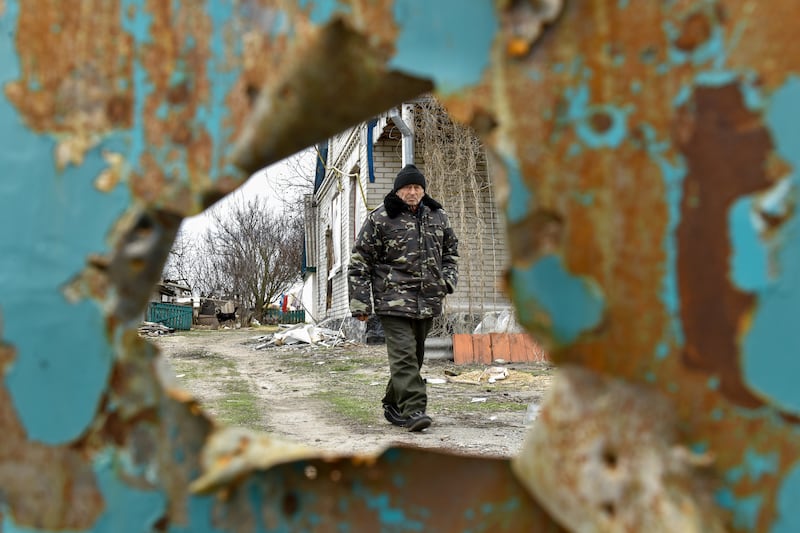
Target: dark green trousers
405, 344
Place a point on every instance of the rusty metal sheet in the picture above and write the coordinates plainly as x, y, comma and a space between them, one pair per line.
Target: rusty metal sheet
647, 156
652, 187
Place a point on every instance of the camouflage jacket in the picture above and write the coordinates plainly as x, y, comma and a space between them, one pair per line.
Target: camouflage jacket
406, 261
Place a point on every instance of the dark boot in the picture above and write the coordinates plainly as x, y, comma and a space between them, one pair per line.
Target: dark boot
392, 414
418, 421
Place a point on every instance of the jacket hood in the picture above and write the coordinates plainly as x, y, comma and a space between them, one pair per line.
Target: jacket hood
395, 205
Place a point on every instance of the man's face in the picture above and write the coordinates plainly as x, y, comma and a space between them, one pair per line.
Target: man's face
411, 194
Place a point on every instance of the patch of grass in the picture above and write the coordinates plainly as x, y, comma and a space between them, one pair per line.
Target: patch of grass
239, 406
491, 405
351, 407
340, 366
207, 364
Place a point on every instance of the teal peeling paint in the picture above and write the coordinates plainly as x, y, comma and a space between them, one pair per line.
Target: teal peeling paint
224, 79
573, 304
128, 510
770, 347
717, 78
574, 150
673, 170
519, 197
699, 447
57, 219
712, 50
535, 75
769, 360
788, 518
662, 350
758, 465
586, 199
753, 97
200, 512
391, 517
749, 262
137, 24
781, 118
745, 510
448, 41
280, 24
579, 113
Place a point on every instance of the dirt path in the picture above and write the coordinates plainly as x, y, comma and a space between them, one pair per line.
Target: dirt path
330, 397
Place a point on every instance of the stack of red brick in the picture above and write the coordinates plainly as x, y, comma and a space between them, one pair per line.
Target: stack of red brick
487, 347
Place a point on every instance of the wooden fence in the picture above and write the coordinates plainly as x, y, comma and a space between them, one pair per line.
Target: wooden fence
288, 317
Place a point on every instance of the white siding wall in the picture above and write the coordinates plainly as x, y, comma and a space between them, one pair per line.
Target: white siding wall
345, 155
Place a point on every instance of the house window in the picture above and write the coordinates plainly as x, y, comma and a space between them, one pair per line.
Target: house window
335, 259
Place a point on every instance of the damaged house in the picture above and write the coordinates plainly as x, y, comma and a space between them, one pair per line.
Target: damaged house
356, 169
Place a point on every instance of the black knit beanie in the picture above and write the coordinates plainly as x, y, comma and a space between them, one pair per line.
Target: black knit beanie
409, 175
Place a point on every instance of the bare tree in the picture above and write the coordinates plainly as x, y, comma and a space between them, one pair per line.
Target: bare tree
295, 178
253, 252
181, 262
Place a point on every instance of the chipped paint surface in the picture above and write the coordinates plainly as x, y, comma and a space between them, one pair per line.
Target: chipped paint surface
604, 457
648, 171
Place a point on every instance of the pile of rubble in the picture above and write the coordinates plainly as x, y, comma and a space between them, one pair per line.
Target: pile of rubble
301, 335
154, 329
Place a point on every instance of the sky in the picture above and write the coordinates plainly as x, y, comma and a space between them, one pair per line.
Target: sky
262, 184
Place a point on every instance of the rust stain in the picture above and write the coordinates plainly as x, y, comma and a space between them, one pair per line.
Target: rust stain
73, 63
540, 233
76, 83
600, 121
609, 234
695, 31
769, 32
64, 495
726, 149
524, 22
336, 60
291, 494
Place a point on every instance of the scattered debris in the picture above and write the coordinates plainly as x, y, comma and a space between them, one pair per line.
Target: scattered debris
477, 400
300, 334
498, 322
532, 413
154, 329
492, 375
435, 381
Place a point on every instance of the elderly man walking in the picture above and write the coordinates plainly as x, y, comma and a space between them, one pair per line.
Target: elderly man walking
404, 262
